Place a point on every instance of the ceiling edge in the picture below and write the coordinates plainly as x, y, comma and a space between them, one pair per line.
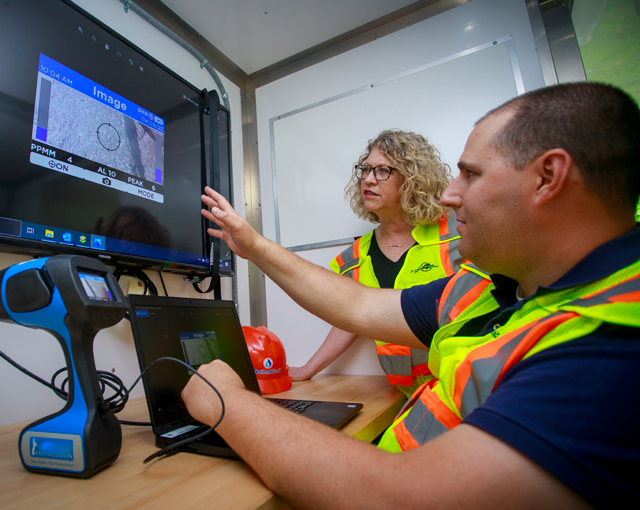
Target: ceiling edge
380, 27
220, 62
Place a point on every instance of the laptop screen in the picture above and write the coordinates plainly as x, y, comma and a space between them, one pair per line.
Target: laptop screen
196, 331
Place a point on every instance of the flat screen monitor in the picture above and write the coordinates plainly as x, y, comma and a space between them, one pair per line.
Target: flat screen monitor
102, 147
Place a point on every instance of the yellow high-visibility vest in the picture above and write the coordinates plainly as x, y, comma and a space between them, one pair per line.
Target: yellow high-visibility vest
467, 370
434, 256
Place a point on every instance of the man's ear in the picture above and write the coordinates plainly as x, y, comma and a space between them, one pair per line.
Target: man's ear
552, 172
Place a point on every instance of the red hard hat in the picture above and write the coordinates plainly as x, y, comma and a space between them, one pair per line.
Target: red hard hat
268, 358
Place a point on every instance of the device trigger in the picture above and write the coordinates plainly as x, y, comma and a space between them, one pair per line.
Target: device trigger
46, 278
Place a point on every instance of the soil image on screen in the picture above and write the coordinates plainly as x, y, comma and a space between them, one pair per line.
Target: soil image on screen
200, 348
83, 126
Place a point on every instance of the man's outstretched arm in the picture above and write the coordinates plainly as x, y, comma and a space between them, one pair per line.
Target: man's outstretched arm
342, 302
313, 466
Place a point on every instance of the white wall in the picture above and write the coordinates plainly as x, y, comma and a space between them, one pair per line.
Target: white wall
462, 28
24, 399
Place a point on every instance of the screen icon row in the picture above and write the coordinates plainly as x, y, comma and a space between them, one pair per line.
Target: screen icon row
65, 237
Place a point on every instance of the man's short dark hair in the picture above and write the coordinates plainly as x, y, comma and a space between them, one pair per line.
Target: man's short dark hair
597, 124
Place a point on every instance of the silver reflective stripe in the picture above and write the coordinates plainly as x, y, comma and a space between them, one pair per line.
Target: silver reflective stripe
419, 357
485, 371
463, 284
395, 365
484, 374
349, 261
454, 256
422, 424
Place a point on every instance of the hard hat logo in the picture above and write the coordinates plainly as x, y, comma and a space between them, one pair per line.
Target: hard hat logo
267, 363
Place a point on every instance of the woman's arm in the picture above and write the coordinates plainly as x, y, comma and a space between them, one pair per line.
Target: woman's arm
336, 343
337, 300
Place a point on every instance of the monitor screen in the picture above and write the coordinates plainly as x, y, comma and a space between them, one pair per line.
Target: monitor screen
101, 146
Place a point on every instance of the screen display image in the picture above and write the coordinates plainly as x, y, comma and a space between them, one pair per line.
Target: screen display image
199, 348
101, 146
96, 287
126, 151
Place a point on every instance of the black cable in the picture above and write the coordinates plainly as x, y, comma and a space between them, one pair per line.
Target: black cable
136, 423
172, 448
116, 401
32, 375
214, 284
138, 274
163, 285
121, 392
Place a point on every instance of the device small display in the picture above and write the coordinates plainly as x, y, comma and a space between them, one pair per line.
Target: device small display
96, 287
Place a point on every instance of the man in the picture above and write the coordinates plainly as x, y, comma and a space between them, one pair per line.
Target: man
546, 198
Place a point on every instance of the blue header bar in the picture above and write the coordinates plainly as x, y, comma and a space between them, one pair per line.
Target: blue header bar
76, 81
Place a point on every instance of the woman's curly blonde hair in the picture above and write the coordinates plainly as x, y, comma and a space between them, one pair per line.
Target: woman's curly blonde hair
425, 177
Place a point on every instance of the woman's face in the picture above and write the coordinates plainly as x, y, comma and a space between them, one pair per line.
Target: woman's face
381, 197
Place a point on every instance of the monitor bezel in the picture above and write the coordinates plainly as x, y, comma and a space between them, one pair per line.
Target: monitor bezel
31, 247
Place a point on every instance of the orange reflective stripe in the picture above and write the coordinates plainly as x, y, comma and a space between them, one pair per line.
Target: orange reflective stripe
393, 350
404, 438
420, 370
626, 298
439, 409
444, 259
443, 230
447, 291
469, 297
434, 405
356, 273
530, 339
356, 249
443, 226
340, 261
402, 380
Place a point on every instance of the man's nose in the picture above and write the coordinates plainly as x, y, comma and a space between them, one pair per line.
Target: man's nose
451, 197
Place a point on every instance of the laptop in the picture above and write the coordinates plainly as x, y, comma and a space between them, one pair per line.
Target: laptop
197, 331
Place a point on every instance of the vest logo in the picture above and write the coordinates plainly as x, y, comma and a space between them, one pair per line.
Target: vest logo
51, 448
267, 363
423, 268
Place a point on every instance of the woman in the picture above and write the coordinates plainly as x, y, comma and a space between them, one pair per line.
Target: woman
396, 183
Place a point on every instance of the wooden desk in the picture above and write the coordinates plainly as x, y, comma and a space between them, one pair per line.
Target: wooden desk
182, 481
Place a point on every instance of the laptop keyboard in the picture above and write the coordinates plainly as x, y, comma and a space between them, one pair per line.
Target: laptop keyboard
297, 406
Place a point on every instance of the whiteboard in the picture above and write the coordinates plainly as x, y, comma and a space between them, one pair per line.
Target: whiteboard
313, 149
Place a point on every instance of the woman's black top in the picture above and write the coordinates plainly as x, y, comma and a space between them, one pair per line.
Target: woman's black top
386, 270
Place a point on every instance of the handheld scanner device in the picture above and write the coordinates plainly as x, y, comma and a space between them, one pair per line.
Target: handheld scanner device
71, 297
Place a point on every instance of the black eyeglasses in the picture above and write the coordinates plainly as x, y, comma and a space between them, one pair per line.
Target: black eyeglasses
380, 172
